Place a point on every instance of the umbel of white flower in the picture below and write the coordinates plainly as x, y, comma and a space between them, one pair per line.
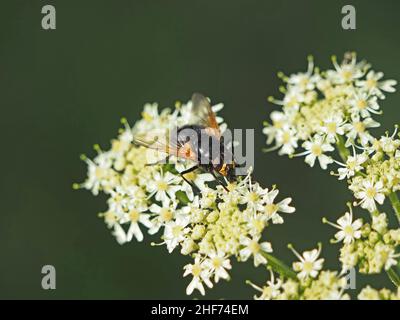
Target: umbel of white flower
212, 226
322, 108
313, 283
334, 109
310, 283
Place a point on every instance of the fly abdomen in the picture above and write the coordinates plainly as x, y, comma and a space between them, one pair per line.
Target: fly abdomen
206, 147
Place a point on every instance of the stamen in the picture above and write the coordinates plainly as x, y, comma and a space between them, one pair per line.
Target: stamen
276, 147
339, 163
254, 286
273, 100
97, 148
350, 210
154, 244
326, 221
282, 76
375, 111
290, 246
334, 62
310, 67
396, 127
300, 154
77, 186
332, 173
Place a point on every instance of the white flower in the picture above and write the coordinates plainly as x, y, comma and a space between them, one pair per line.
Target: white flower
208, 197
380, 223
154, 121
286, 139
150, 112
347, 72
279, 119
255, 222
304, 81
353, 165
119, 201
135, 216
217, 263
274, 286
386, 255
252, 247
163, 215
185, 113
309, 264
136, 198
163, 186
271, 290
122, 144
368, 293
358, 128
349, 230
388, 144
336, 294
252, 195
200, 274
271, 209
370, 193
374, 86
119, 234
112, 221
292, 100
391, 259
364, 104
100, 173
175, 232
315, 149
333, 125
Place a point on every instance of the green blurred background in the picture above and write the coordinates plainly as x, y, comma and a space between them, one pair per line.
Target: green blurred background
62, 91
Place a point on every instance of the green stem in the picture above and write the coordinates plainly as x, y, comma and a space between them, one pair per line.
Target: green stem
343, 151
279, 267
395, 204
394, 277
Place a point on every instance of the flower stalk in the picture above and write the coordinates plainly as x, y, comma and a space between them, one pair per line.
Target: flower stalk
343, 151
394, 199
279, 267
394, 277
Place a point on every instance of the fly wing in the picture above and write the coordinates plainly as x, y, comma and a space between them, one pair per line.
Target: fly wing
166, 144
202, 114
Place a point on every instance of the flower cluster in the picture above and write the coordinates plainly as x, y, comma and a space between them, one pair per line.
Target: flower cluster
374, 173
321, 109
310, 283
334, 109
369, 293
210, 226
230, 224
370, 246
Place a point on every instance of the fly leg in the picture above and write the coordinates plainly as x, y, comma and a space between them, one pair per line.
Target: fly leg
219, 181
188, 171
